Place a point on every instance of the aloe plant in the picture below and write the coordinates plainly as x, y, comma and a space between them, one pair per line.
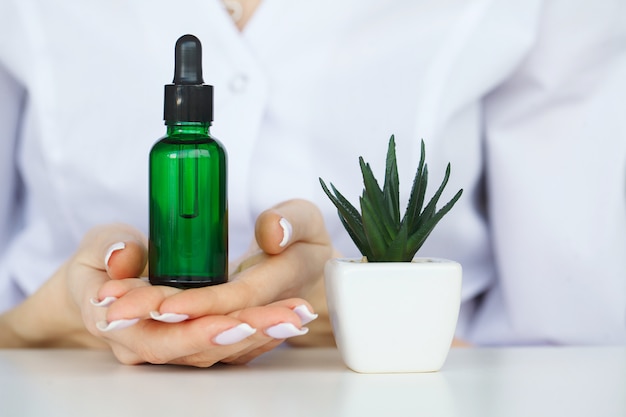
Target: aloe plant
377, 230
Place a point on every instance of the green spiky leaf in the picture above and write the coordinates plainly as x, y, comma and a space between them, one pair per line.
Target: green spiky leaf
377, 230
391, 189
418, 190
373, 194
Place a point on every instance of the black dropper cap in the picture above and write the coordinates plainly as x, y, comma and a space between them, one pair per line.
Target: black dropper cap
188, 99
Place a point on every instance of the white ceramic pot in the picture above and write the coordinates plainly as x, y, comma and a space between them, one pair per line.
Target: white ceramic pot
393, 316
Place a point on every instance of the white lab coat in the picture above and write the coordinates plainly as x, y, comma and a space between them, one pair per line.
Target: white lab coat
524, 98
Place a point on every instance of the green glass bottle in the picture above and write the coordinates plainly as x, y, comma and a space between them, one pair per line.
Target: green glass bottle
188, 195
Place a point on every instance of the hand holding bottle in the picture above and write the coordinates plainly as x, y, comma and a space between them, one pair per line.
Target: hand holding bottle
232, 322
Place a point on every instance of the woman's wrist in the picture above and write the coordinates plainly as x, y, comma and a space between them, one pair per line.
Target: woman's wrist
33, 324
9, 338
48, 318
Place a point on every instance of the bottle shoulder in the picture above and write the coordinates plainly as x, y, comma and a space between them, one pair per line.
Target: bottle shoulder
188, 139
168, 146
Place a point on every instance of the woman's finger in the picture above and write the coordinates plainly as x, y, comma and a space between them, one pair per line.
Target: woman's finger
132, 299
279, 321
290, 222
119, 249
207, 340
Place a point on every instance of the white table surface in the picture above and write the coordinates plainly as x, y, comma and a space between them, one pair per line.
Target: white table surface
581, 381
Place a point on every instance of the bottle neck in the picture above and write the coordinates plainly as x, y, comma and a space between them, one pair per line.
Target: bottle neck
188, 128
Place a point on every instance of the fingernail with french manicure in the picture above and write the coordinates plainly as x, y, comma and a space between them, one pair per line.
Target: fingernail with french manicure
114, 247
287, 231
103, 326
234, 335
105, 302
168, 317
305, 315
285, 331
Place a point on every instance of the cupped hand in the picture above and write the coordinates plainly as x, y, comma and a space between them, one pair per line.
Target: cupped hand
232, 322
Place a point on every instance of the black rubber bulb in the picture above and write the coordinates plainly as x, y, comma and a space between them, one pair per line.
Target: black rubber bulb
188, 61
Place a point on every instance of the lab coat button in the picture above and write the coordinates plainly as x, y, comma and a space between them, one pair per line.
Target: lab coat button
238, 83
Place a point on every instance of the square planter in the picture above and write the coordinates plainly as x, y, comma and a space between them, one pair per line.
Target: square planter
393, 316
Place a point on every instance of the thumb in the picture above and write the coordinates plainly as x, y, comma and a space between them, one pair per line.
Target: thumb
110, 251
289, 222
118, 249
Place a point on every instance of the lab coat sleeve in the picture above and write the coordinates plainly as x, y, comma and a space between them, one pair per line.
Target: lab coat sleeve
11, 103
556, 178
